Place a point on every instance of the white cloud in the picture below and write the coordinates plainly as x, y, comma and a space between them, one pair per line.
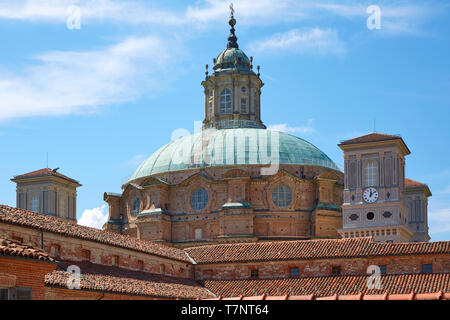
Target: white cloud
284, 127
136, 160
439, 220
396, 19
249, 12
406, 19
66, 82
145, 12
313, 40
94, 218
57, 11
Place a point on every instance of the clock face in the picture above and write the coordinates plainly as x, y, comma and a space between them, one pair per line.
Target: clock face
370, 195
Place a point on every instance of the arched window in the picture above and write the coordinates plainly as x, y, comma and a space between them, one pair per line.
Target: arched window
136, 207
225, 102
371, 173
34, 204
282, 196
199, 199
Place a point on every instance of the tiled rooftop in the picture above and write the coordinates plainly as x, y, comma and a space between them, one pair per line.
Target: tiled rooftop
59, 226
44, 173
440, 295
116, 280
330, 285
310, 249
13, 248
412, 183
372, 137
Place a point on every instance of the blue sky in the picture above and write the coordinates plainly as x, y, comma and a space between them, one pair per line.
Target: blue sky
102, 98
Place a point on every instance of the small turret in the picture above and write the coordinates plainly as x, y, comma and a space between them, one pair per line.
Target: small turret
233, 89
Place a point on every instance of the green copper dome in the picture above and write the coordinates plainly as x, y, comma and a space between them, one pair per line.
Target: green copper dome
232, 59
230, 147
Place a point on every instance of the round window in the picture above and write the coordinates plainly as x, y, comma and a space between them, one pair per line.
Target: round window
199, 199
244, 89
135, 207
370, 216
282, 196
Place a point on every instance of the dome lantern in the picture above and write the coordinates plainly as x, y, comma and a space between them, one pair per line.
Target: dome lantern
232, 91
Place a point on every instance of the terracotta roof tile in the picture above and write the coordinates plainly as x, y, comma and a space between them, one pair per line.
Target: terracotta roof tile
411, 183
334, 287
121, 281
310, 249
440, 295
60, 226
44, 173
13, 248
409, 296
372, 137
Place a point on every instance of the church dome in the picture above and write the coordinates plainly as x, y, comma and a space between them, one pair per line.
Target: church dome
232, 59
231, 147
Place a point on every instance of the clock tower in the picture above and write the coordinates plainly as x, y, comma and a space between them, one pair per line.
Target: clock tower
374, 191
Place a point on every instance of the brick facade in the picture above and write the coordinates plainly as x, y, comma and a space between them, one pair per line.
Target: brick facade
321, 267
167, 215
25, 273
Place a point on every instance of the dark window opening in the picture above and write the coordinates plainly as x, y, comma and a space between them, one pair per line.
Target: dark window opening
4, 294
427, 268
254, 273
293, 272
382, 269
336, 270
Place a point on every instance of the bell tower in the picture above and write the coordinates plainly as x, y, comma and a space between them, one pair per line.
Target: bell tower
374, 188
233, 90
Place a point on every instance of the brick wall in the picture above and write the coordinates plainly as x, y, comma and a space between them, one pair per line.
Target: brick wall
28, 273
73, 249
322, 267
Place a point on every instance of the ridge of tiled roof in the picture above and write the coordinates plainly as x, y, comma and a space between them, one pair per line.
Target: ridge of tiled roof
16, 249
116, 280
44, 173
310, 249
60, 226
326, 286
371, 137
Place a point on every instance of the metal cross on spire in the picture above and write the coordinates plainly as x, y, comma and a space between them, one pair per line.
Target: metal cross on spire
232, 39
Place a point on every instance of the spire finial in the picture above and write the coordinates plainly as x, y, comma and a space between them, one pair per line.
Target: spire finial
232, 39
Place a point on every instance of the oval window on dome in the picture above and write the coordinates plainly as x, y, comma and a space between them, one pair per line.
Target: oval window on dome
199, 199
135, 207
282, 196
